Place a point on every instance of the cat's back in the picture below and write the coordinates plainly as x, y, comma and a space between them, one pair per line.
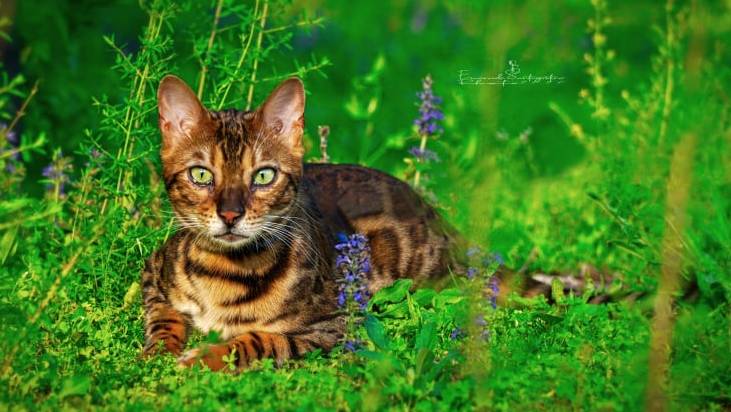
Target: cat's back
407, 237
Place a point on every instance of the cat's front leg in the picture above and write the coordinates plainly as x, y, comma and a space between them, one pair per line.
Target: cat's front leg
162, 322
243, 349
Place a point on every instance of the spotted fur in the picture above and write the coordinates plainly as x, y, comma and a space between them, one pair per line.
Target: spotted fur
256, 263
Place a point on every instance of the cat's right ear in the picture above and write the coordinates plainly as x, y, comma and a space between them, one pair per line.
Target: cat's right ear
181, 113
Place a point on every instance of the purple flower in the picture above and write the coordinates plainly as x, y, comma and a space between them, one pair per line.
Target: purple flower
12, 137
341, 298
473, 251
471, 272
351, 345
482, 323
424, 155
429, 112
365, 265
56, 173
456, 333
49, 171
353, 265
494, 290
497, 257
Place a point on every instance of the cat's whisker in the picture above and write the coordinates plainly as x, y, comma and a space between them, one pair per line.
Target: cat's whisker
283, 232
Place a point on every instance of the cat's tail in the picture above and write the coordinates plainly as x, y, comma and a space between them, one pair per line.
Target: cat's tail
595, 285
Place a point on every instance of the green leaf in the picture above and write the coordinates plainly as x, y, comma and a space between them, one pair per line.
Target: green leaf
424, 297
376, 332
371, 355
448, 297
7, 243
76, 385
427, 337
424, 361
392, 294
397, 311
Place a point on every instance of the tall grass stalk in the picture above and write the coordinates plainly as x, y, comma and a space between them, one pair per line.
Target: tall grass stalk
678, 188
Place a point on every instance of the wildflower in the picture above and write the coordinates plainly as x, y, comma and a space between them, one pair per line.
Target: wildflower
498, 258
352, 345
493, 260
471, 272
493, 289
456, 333
427, 126
12, 139
429, 112
94, 158
55, 172
473, 251
353, 264
424, 155
482, 324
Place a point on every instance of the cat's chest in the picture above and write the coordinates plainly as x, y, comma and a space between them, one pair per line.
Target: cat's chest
231, 303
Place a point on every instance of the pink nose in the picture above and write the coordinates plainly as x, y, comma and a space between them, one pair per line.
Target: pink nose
229, 216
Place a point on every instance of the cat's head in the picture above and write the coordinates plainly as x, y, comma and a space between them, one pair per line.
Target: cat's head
232, 176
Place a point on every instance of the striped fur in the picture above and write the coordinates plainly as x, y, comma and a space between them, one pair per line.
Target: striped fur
270, 291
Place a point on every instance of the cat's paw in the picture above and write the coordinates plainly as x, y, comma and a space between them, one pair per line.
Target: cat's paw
211, 356
160, 346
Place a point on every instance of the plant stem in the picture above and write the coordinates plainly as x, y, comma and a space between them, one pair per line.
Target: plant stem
678, 188
669, 70
250, 94
422, 146
316, 22
211, 38
242, 58
21, 112
137, 92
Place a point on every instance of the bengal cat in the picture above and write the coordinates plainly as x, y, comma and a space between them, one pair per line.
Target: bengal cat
254, 258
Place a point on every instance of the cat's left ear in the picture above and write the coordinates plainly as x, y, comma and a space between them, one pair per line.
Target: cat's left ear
283, 113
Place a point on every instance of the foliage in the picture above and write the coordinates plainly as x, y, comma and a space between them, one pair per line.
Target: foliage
546, 177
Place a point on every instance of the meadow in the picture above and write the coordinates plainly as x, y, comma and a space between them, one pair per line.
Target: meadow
584, 142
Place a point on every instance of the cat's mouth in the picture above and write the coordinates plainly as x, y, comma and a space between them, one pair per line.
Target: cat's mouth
231, 237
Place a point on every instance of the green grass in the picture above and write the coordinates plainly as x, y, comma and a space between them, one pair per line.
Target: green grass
626, 166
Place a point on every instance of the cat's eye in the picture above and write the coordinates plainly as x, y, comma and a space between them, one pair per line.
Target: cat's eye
201, 176
264, 176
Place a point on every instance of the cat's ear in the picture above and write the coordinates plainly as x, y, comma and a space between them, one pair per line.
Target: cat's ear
283, 113
181, 113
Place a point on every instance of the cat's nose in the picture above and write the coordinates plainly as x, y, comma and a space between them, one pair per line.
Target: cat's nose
230, 205
230, 216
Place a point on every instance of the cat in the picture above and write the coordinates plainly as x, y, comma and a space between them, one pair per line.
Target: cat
254, 259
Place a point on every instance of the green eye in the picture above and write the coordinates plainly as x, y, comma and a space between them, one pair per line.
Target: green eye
201, 176
264, 176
